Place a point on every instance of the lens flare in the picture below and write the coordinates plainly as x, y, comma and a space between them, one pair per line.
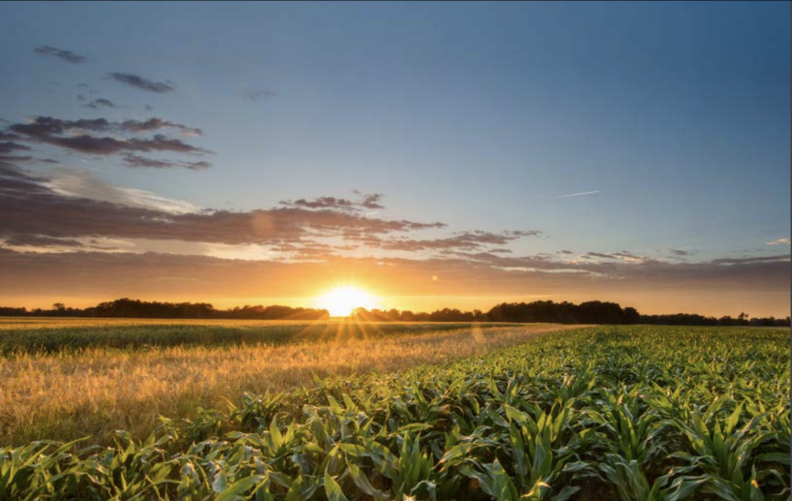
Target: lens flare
341, 301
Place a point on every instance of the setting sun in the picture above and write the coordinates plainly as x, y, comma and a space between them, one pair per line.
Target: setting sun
342, 300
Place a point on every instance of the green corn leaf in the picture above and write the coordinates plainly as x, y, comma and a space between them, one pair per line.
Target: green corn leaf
332, 489
237, 489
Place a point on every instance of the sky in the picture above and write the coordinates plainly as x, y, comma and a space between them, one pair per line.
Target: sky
433, 154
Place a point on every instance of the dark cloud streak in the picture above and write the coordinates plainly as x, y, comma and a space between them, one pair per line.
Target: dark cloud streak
143, 83
29, 206
98, 104
59, 132
367, 201
138, 161
65, 55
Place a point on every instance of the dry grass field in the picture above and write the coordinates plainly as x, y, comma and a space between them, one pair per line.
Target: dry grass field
94, 388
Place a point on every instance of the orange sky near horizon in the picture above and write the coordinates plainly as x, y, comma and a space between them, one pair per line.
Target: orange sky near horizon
703, 298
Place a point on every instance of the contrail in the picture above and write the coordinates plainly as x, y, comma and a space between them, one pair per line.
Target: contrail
578, 194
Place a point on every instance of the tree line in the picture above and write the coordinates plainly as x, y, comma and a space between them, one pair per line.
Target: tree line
135, 308
590, 312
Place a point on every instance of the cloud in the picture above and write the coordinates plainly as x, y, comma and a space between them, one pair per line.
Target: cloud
7, 136
322, 203
372, 201
77, 183
780, 241
9, 146
578, 194
522, 233
65, 55
41, 241
464, 241
367, 201
73, 204
108, 145
749, 270
143, 83
156, 124
680, 252
135, 161
750, 260
61, 133
620, 256
50, 125
256, 95
99, 104
13, 160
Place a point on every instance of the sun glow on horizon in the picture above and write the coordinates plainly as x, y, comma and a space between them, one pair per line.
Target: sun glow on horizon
342, 300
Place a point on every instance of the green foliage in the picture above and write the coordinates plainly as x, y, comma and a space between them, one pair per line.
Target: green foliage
628, 413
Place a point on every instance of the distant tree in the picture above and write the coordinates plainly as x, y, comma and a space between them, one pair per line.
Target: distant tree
631, 315
407, 316
726, 320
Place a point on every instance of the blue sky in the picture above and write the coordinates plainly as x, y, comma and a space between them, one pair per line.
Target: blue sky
478, 115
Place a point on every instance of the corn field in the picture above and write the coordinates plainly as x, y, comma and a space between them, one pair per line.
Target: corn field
627, 413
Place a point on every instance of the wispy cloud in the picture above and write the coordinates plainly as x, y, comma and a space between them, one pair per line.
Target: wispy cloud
578, 194
465, 241
74, 204
60, 133
367, 201
65, 55
625, 256
144, 83
750, 260
77, 184
100, 103
780, 241
256, 95
138, 161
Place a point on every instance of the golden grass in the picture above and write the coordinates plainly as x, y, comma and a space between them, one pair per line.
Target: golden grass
17, 323
27, 323
99, 390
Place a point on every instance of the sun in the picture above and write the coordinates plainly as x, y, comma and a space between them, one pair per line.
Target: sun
342, 300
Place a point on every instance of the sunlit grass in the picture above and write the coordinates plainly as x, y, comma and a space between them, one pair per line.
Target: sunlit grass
93, 390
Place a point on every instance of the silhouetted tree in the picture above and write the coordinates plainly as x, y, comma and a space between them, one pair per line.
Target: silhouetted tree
591, 312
